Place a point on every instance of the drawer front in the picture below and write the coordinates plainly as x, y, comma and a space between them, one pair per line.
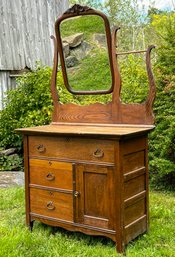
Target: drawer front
72, 148
51, 173
52, 204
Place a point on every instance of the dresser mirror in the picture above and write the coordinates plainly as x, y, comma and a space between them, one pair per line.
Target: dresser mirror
85, 52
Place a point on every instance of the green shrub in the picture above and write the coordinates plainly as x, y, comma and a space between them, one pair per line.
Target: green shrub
134, 78
162, 139
12, 162
29, 105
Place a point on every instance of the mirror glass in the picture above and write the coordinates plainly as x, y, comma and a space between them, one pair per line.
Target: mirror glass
86, 53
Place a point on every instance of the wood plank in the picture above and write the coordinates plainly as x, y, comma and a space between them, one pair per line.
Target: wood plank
135, 229
96, 222
134, 186
134, 173
27, 177
116, 131
133, 146
99, 113
134, 211
54, 189
135, 198
25, 34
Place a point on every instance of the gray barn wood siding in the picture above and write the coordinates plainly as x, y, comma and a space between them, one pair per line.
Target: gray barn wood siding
6, 83
25, 29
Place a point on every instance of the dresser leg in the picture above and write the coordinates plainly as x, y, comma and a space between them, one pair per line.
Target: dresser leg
120, 247
31, 225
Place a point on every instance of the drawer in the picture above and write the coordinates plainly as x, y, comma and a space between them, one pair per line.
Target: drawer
96, 150
52, 204
51, 173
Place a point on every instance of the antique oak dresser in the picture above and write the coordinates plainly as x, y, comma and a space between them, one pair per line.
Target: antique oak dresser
88, 170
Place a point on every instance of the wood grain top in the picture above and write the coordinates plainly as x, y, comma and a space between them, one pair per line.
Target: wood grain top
87, 130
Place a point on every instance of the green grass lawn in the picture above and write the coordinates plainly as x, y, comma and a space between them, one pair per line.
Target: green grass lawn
87, 24
16, 240
93, 73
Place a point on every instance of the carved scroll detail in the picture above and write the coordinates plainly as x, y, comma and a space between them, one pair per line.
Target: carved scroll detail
78, 9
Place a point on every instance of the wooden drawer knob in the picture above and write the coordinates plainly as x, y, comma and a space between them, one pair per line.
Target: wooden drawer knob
41, 148
50, 206
50, 176
98, 153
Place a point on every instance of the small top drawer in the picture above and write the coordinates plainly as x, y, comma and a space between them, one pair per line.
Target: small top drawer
96, 150
51, 174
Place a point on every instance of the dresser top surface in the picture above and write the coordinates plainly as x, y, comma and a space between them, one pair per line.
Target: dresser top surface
87, 129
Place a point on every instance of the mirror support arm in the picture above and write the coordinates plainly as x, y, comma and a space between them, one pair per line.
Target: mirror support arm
152, 86
117, 77
54, 91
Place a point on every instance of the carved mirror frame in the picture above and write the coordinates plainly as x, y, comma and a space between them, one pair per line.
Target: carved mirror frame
114, 112
78, 10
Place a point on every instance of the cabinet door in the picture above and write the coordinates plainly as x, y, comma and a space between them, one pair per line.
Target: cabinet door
94, 195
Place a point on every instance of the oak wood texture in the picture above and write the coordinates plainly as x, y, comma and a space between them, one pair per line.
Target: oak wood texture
90, 149
114, 112
88, 170
50, 203
135, 187
51, 173
94, 130
75, 227
95, 182
67, 186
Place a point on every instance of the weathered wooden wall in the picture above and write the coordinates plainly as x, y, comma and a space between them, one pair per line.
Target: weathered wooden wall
25, 29
6, 83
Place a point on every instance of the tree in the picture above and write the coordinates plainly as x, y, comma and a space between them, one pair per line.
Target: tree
162, 143
92, 3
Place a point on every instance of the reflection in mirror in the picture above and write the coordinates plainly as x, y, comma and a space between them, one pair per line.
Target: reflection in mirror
85, 53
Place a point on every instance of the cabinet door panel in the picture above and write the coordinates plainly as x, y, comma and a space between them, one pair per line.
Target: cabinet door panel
95, 194
94, 206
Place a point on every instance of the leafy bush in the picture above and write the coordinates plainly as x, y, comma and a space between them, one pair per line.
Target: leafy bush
134, 78
12, 162
162, 139
29, 105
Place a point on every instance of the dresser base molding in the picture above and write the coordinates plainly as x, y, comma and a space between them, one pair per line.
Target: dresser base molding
71, 226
